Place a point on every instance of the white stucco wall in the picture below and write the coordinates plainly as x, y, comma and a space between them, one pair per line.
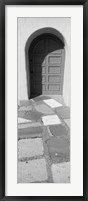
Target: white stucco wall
26, 27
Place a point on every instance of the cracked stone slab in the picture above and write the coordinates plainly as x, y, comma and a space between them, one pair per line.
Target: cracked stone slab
59, 149
22, 120
61, 172
43, 108
63, 112
51, 120
52, 103
67, 121
32, 171
30, 132
58, 130
30, 147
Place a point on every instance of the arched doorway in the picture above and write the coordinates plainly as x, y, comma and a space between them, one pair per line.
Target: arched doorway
46, 65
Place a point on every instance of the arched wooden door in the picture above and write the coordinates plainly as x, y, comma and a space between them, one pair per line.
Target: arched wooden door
46, 62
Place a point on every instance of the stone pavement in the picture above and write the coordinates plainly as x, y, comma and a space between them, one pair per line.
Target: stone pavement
43, 140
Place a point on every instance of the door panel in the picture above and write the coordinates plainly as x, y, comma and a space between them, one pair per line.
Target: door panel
55, 69
56, 60
46, 66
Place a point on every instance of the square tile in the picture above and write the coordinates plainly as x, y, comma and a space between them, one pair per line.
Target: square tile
51, 120
58, 130
52, 103
61, 172
58, 98
32, 171
59, 149
63, 112
30, 147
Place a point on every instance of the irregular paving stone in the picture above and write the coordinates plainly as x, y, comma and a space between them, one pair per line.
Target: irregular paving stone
30, 148
30, 132
32, 171
50, 120
33, 115
26, 108
21, 114
52, 103
58, 98
22, 120
58, 130
63, 112
29, 125
40, 98
59, 149
67, 121
61, 172
26, 102
43, 108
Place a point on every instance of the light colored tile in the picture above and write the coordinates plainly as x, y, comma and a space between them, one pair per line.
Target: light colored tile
33, 171
52, 103
51, 120
30, 148
61, 172
58, 98
22, 120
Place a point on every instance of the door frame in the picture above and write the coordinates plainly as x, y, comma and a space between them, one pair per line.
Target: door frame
32, 37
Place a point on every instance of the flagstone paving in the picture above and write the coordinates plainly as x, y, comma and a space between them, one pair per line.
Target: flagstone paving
59, 149
40, 98
60, 172
58, 98
29, 125
43, 108
67, 121
29, 148
25, 108
30, 132
58, 130
44, 140
32, 171
63, 112
33, 115
52, 103
26, 103
50, 120
22, 120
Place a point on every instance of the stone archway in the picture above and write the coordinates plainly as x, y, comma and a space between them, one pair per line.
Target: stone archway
45, 55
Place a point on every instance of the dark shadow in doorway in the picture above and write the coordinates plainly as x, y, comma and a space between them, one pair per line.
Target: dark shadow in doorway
40, 47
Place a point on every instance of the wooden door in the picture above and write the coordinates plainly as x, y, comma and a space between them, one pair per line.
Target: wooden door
46, 65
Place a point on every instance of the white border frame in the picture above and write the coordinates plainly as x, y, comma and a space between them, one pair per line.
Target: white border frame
75, 188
